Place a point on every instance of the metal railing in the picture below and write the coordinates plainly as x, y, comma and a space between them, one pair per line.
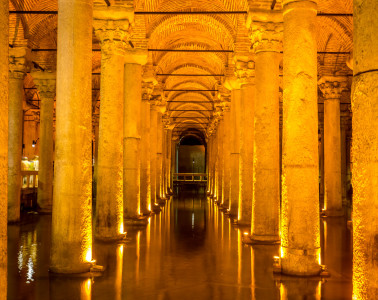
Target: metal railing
190, 177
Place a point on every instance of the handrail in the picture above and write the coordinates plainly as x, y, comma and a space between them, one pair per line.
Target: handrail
29, 179
190, 177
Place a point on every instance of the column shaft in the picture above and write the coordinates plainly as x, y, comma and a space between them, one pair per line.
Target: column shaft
71, 246
246, 153
159, 158
227, 164
131, 142
4, 76
365, 149
109, 198
153, 155
15, 123
145, 163
235, 151
220, 160
266, 179
300, 236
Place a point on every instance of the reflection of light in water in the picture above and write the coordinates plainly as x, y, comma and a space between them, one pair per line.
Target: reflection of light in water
138, 256
20, 259
239, 256
86, 290
30, 272
118, 280
283, 292
192, 220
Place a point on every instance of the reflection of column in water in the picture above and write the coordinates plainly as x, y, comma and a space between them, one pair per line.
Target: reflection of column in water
263, 282
137, 257
86, 290
299, 288
118, 279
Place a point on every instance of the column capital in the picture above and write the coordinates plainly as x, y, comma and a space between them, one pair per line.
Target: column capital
45, 83
19, 60
332, 87
113, 27
265, 31
147, 90
244, 69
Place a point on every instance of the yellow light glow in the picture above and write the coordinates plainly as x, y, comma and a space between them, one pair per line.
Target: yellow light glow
319, 259
121, 230
281, 252
86, 289
245, 233
149, 206
88, 255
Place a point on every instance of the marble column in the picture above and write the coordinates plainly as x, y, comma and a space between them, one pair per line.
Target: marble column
235, 151
159, 158
226, 154
17, 69
46, 85
4, 91
215, 163
169, 161
300, 236
220, 160
331, 88
365, 149
267, 44
145, 163
71, 234
153, 154
131, 132
113, 34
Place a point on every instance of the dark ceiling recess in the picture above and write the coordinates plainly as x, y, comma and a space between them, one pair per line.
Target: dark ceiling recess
190, 140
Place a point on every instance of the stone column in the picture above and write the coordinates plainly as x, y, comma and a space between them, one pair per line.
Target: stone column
226, 154
343, 146
173, 161
159, 158
220, 160
331, 88
169, 161
145, 163
235, 151
46, 85
131, 132
153, 154
71, 245
17, 70
215, 163
267, 44
300, 236
209, 163
4, 70
113, 33
365, 149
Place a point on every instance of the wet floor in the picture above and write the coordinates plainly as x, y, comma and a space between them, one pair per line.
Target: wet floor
189, 251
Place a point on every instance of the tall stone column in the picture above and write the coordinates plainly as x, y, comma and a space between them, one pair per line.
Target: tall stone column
331, 88
226, 154
159, 158
173, 160
267, 43
215, 162
112, 28
17, 69
169, 160
153, 154
4, 70
145, 163
300, 236
343, 146
46, 85
220, 160
131, 132
235, 151
71, 234
365, 149
210, 163
245, 71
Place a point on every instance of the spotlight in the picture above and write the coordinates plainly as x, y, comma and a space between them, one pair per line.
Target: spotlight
34, 143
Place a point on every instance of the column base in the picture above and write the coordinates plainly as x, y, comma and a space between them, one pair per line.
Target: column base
256, 240
136, 221
93, 271
300, 262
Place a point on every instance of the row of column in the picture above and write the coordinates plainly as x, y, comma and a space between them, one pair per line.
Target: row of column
295, 221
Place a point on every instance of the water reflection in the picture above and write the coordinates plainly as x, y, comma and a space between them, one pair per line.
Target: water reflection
190, 250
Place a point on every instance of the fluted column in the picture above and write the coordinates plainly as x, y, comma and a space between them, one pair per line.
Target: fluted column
226, 154
46, 85
332, 87
145, 163
267, 44
71, 245
131, 131
365, 149
4, 103
17, 70
245, 71
113, 34
300, 236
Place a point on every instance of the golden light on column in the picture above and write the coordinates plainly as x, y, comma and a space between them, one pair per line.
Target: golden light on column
86, 290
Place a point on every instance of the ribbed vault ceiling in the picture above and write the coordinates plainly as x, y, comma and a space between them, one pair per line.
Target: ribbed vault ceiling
190, 111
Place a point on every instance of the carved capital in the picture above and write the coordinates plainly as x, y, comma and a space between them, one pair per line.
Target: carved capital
19, 61
244, 70
332, 87
147, 90
266, 36
45, 82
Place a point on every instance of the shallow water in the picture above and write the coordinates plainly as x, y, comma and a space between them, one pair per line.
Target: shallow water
188, 251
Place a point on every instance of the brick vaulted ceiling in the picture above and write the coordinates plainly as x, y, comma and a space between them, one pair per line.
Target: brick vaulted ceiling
185, 32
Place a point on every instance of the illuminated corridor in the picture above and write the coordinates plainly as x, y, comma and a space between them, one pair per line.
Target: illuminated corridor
189, 251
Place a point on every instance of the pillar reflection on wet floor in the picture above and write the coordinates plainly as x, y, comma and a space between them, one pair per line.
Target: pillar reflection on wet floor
191, 250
